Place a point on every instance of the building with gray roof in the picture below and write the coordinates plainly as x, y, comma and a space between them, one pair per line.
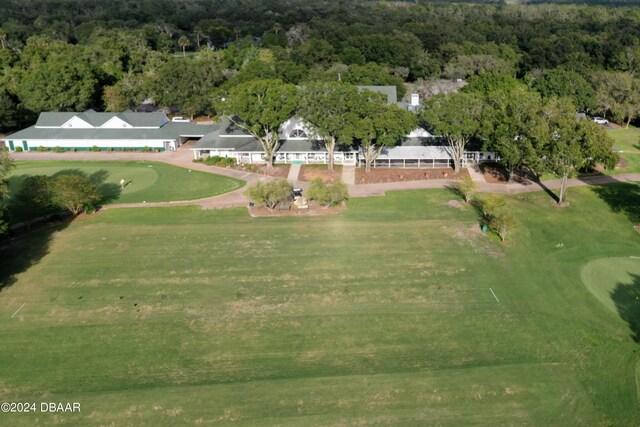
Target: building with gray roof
96, 130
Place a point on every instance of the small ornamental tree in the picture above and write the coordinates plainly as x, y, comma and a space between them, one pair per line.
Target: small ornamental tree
466, 188
327, 194
73, 192
490, 206
269, 193
502, 224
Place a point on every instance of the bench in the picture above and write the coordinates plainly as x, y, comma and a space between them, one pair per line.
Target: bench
284, 207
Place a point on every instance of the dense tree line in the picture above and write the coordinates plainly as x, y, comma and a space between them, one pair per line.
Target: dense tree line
113, 55
528, 69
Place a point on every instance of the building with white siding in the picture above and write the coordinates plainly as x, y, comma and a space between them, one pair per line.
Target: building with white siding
105, 131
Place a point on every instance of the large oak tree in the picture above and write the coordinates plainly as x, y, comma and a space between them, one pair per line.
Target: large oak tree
260, 107
327, 108
456, 117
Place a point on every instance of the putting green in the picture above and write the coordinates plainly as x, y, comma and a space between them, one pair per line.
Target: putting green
146, 181
603, 275
141, 176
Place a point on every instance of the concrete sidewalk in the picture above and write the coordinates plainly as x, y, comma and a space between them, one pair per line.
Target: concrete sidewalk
349, 174
294, 172
184, 159
475, 173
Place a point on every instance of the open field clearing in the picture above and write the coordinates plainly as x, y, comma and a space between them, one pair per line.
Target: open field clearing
399, 311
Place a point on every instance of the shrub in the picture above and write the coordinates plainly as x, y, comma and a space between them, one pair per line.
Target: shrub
58, 149
146, 149
327, 195
95, 148
73, 192
466, 188
269, 193
89, 208
42, 149
490, 206
223, 162
19, 149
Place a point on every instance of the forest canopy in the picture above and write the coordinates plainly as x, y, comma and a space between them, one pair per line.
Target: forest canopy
115, 54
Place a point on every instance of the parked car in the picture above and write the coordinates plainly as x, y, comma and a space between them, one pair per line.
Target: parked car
180, 119
600, 120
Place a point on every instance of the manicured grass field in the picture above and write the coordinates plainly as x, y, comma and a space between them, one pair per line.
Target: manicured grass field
382, 315
627, 140
147, 181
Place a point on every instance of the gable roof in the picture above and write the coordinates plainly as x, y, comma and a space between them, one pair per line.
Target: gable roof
170, 131
97, 119
155, 119
51, 119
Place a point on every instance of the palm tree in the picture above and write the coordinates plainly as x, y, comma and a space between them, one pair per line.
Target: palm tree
183, 41
3, 39
199, 33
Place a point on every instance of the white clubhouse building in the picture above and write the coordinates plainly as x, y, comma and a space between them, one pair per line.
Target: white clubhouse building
132, 131
115, 131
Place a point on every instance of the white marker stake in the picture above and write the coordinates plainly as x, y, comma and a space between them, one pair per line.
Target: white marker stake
494, 295
14, 314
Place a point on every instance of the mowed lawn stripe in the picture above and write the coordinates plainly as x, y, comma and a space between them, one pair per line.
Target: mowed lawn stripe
381, 318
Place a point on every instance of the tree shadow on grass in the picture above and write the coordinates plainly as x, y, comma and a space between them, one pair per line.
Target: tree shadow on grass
454, 189
546, 189
621, 197
626, 297
22, 249
109, 191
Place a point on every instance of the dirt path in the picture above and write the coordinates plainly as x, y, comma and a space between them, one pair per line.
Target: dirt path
183, 158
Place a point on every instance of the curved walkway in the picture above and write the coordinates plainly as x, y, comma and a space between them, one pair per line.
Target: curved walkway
183, 158
366, 190
180, 158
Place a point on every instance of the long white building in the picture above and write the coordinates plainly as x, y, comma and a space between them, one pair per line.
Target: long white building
118, 131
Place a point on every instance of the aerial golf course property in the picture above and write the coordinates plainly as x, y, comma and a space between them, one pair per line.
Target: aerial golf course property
399, 311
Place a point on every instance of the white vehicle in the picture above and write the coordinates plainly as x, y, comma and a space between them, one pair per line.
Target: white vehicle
180, 119
600, 120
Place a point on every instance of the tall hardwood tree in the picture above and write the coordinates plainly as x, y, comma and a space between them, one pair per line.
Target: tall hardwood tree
327, 108
618, 95
568, 145
260, 107
505, 127
6, 165
376, 124
457, 117
58, 85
